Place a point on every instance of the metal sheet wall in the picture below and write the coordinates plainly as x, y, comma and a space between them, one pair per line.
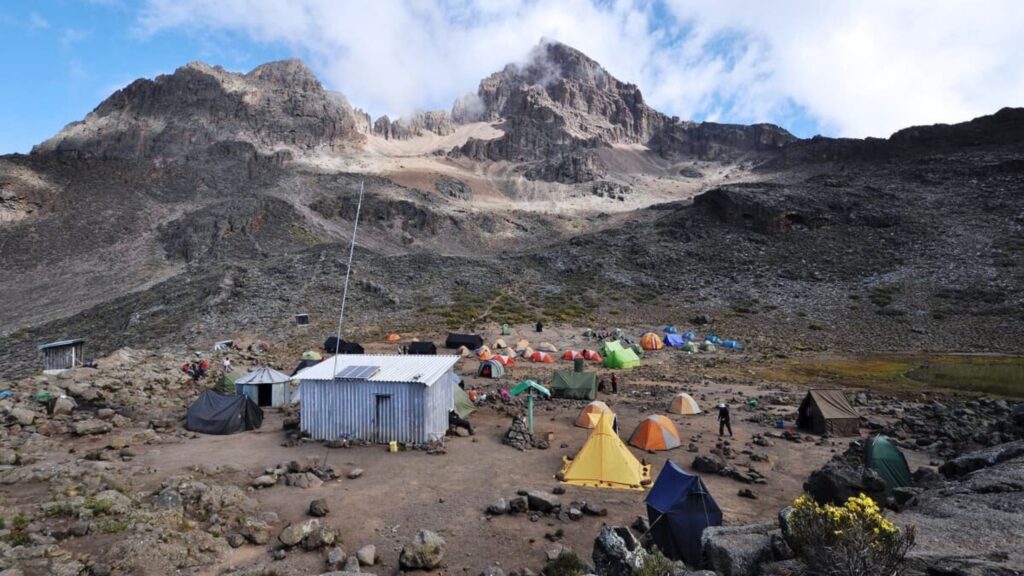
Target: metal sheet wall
335, 409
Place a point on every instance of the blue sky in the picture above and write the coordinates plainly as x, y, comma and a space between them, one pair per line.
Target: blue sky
841, 68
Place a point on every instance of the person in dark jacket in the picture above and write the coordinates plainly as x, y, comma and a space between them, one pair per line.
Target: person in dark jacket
454, 421
723, 420
615, 384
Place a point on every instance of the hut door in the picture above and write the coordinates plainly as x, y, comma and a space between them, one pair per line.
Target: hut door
382, 419
265, 395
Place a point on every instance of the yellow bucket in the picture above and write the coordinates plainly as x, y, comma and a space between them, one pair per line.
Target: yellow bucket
392, 446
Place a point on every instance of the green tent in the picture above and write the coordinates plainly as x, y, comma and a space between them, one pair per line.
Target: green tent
574, 385
882, 456
637, 349
607, 348
226, 383
691, 347
707, 346
463, 405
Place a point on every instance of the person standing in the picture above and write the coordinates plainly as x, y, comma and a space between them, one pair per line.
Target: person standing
723, 420
227, 365
615, 384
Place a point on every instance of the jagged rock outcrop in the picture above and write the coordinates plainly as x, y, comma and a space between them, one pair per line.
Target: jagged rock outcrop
561, 103
438, 121
279, 104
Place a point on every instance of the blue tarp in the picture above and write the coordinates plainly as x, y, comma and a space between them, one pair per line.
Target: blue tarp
713, 339
670, 329
674, 340
690, 335
679, 507
735, 345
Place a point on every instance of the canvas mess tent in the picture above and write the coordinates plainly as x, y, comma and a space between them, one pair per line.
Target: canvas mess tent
882, 456
490, 369
615, 356
591, 413
675, 340
213, 413
265, 386
335, 346
605, 462
573, 385
651, 341
656, 432
683, 403
422, 349
679, 508
471, 341
828, 411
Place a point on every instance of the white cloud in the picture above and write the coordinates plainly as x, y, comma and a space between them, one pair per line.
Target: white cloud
856, 68
37, 22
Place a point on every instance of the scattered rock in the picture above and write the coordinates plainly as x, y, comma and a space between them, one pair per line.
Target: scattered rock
264, 481
336, 558
319, 508
747, 493
498, 507
541, 501
425, 552
367, 555
617, 552
293, 534
355, 473
89, 427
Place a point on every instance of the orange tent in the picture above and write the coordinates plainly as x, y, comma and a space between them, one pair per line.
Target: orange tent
571, 355
486, 355
651, 341
503, 360
539, 356
655, 433
592, 413
394, 337
592, 355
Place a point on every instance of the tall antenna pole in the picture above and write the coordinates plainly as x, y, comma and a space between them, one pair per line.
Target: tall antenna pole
348, 273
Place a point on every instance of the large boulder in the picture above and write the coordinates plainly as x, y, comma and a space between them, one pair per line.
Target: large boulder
542, 501
837, 481
738, 550
425, 552
708, 464
90, 427
293, 534
972, 461
23, 416
617, 552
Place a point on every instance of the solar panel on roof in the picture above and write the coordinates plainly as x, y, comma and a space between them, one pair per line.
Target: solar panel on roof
358, 372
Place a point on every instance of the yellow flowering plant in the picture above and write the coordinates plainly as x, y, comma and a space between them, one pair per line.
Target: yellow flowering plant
854, 539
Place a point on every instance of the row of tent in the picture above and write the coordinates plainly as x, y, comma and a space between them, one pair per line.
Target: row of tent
688, 341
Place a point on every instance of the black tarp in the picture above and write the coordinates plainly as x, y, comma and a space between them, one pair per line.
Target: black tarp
331, 345
304, 364
214, 413
422, 348
471, 341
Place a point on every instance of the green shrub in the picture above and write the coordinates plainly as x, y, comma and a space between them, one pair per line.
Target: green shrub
656, 564
849, 540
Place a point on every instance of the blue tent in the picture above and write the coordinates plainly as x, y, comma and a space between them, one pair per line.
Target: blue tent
679, 507
690, 335
713, 339
733, 344
670, 329
674, 340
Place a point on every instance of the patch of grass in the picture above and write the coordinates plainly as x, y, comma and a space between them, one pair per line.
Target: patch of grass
566, 564
656, 565
114, 527
882, 296
98, 507
304, 235
971, 375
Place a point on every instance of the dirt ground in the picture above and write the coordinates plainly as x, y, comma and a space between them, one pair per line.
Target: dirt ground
404, 492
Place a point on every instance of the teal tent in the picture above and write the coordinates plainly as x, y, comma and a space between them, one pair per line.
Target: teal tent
882, 456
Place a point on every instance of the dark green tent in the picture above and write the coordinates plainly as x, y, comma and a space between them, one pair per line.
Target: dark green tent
574, 385
882, 456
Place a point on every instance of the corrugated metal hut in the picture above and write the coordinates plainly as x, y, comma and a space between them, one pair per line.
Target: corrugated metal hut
265, 387
62, 355
378, 398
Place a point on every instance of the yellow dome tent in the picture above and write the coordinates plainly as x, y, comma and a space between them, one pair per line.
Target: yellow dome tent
605, 462
683, 403
592, 413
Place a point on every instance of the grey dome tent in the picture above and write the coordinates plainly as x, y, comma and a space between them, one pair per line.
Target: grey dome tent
827, 411
214, 413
